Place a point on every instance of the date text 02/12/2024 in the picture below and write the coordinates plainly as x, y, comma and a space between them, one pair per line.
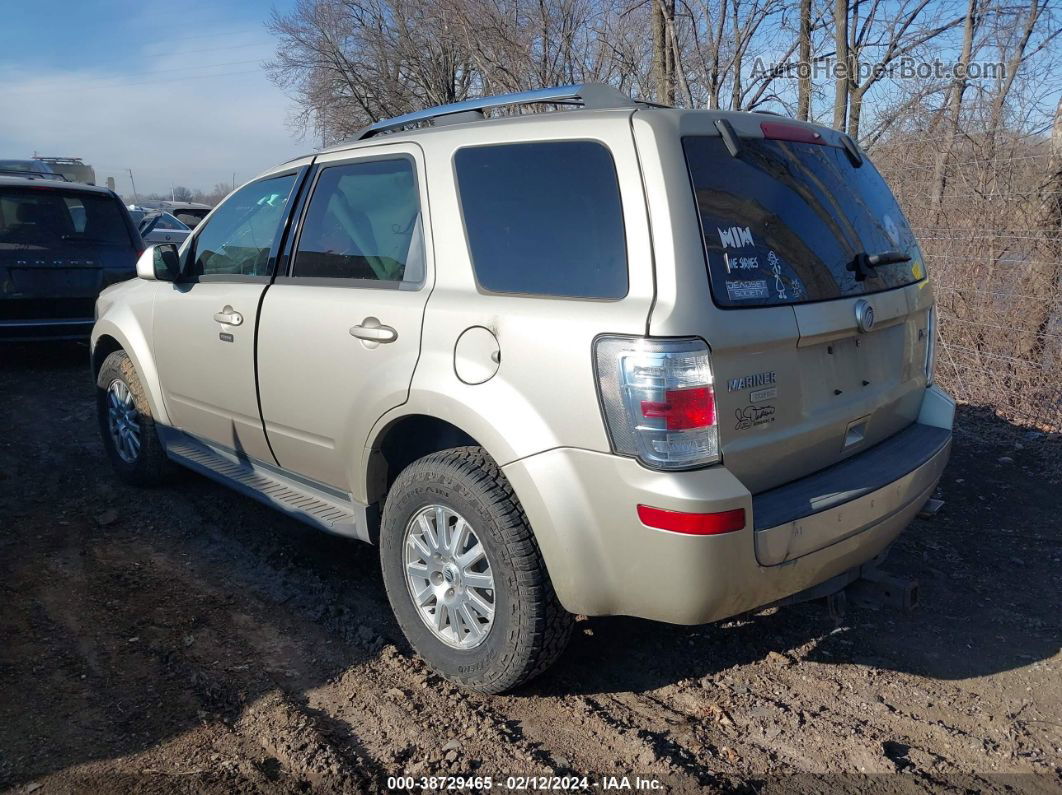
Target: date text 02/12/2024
526, 783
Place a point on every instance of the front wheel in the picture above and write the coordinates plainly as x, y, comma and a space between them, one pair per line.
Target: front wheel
464, 575
126, 424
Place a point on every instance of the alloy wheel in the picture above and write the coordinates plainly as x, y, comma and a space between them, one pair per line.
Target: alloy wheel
123, 421
449, 577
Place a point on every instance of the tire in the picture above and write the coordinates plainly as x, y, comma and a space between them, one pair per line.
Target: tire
149, 466
529, 628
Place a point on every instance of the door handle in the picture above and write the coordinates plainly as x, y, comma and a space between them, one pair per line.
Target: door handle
228, 316
372, 330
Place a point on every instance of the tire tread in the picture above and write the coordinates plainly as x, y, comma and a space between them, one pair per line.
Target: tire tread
545, 626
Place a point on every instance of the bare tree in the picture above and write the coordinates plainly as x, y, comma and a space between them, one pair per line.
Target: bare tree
888, 40
1045, 267
351, 62
1017, 52
841, 63
954, 110
804, 90
663, 18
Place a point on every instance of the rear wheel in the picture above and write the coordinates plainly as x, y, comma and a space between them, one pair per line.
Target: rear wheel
126, 424
464, 575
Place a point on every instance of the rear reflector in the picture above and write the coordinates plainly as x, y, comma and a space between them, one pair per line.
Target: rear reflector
694, 524
777, 131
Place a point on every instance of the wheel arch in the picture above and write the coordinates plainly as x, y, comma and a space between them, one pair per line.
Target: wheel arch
402, 440
108, 337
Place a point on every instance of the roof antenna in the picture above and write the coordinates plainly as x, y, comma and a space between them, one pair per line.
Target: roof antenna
459, 118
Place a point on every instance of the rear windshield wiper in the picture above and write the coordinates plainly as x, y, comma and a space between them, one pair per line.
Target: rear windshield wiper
863, 263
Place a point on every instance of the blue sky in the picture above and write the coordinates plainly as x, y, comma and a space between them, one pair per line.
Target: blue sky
172, 90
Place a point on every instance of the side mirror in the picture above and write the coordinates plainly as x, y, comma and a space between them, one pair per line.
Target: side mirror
159, 263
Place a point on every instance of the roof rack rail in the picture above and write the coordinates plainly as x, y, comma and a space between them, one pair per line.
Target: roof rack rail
589, 95
25, 174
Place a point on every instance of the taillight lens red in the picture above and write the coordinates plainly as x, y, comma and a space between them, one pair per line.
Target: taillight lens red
683, 409
658, 399
695, 524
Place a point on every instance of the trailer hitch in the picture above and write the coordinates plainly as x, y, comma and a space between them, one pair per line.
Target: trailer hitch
876, 589
863, 586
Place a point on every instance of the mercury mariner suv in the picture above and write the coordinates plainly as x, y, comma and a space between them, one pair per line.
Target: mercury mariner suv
614, 360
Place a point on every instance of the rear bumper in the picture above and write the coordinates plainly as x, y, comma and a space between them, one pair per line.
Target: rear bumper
38, 330
603, 561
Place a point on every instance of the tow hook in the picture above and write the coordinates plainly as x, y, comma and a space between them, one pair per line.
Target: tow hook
877, 589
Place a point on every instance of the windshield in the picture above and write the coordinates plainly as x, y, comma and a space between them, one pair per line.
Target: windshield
784, 222
33, 218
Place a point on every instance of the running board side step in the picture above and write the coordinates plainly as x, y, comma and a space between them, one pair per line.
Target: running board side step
315, 504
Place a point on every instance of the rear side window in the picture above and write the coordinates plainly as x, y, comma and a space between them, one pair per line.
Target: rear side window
783, 221
363, 223
544, 218
36, 218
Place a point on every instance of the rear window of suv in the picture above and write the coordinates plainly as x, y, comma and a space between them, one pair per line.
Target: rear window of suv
544, 218
42, 218
783, 221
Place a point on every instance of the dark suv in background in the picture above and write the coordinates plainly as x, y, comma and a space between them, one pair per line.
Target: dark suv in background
60, 244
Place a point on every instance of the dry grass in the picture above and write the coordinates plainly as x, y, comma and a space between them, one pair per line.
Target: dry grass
995, 270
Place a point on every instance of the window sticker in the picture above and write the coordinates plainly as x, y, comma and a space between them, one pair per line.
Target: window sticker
890, 229
776, 268
735, 236
747, 289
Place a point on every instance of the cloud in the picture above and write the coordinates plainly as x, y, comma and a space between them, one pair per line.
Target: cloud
189, 115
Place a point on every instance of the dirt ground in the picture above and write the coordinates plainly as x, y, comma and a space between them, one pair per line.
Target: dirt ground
189, 639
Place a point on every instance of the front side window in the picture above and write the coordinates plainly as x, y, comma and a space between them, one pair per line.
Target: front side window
363, 223
544, 218
240, 235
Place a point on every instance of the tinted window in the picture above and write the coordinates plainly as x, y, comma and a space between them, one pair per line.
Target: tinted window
48, 219
544, 218
782, 221
238, 239
167, 221
191, 217
33, 166
363, 222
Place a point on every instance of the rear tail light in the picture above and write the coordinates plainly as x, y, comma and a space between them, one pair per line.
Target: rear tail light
658, 400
